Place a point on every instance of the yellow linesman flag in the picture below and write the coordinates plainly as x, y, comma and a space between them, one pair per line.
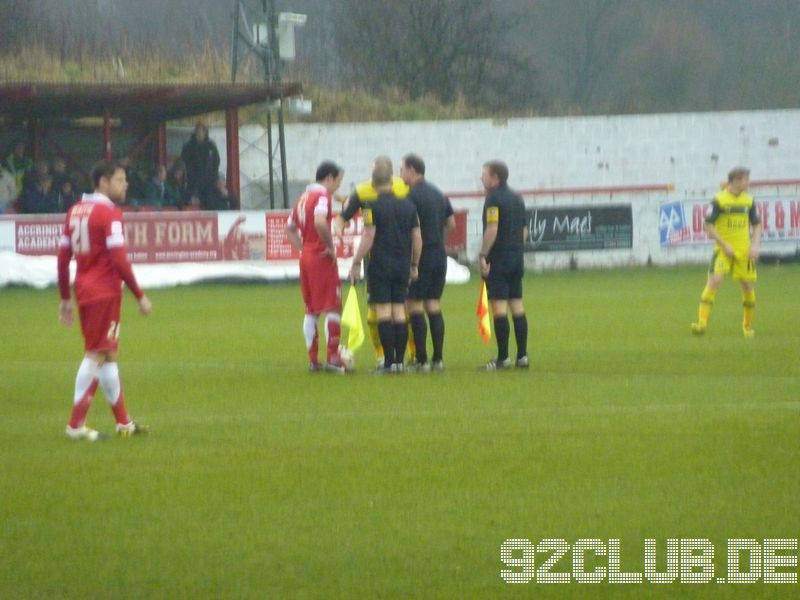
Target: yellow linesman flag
484, 319
351, 318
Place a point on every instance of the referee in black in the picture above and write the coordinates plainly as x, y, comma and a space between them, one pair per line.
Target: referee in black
436, 221
393, 242
502, 264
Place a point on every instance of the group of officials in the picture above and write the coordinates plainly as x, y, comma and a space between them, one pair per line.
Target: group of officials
406, 222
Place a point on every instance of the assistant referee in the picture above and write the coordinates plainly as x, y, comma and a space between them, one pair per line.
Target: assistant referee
502, 262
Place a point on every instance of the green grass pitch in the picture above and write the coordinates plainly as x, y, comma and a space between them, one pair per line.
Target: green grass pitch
262, 480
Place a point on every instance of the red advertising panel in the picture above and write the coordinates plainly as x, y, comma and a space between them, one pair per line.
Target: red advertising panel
351, 236
681, 222
40, 237
172, 237
149, 237
457, 240
279, 248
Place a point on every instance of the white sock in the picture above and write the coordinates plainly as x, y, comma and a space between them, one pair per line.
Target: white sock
87, 373
109, 380
331, 318
310, 329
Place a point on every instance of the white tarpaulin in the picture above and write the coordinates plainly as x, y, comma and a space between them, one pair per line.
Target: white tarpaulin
41, 271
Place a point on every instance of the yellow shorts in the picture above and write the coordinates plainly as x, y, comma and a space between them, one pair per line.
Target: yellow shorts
742, 267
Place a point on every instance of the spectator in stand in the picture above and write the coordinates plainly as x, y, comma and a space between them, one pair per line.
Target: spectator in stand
59, 173
66, 195
33, 178
80, 182
178, 184
201, 157
64, 187
8, 190
194, 203
135, 183
220, 198
157, 191
39, 199
18, 164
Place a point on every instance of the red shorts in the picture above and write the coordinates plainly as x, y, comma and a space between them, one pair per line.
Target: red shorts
319, 282
100, 325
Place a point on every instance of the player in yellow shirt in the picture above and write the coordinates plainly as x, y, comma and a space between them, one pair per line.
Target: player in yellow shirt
364, 194
728, 222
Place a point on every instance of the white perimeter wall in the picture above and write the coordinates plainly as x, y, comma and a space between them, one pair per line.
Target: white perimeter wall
692, 151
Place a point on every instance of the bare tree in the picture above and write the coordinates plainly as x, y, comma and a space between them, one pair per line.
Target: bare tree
443, 48
674, 63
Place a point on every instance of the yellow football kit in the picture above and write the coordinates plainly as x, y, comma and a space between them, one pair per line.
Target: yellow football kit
732, 216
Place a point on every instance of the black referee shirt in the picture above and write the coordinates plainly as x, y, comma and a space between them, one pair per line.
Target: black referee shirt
393, 221
511, 223
433, 209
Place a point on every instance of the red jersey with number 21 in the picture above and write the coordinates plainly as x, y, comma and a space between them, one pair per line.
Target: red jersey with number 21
92, 232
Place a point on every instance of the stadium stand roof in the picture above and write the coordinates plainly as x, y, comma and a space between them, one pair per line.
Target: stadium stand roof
138, 102
38, 105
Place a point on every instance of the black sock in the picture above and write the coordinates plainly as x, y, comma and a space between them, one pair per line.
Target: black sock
437, 334
501, 331
420, 328
386, 333
400, 341
521, 333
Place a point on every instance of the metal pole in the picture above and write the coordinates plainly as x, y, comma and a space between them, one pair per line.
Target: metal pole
232, 151
271, 49
282, 143
235, 42
271, 166
276, 79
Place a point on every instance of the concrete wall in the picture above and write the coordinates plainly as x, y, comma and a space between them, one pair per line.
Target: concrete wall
691, 151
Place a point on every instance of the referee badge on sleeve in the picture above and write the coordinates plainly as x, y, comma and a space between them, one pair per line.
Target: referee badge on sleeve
367, 214
492, 214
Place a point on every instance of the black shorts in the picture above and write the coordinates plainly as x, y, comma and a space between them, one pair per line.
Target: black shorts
387, 286
505, 278
432, 275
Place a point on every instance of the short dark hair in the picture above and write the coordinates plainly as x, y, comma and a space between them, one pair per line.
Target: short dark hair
738, 173
105, 169
499, 169
415, 162
326, 168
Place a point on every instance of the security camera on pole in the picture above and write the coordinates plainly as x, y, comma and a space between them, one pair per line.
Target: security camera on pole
273, 41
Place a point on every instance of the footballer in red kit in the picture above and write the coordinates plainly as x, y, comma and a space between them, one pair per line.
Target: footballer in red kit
93, 235
309, 231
